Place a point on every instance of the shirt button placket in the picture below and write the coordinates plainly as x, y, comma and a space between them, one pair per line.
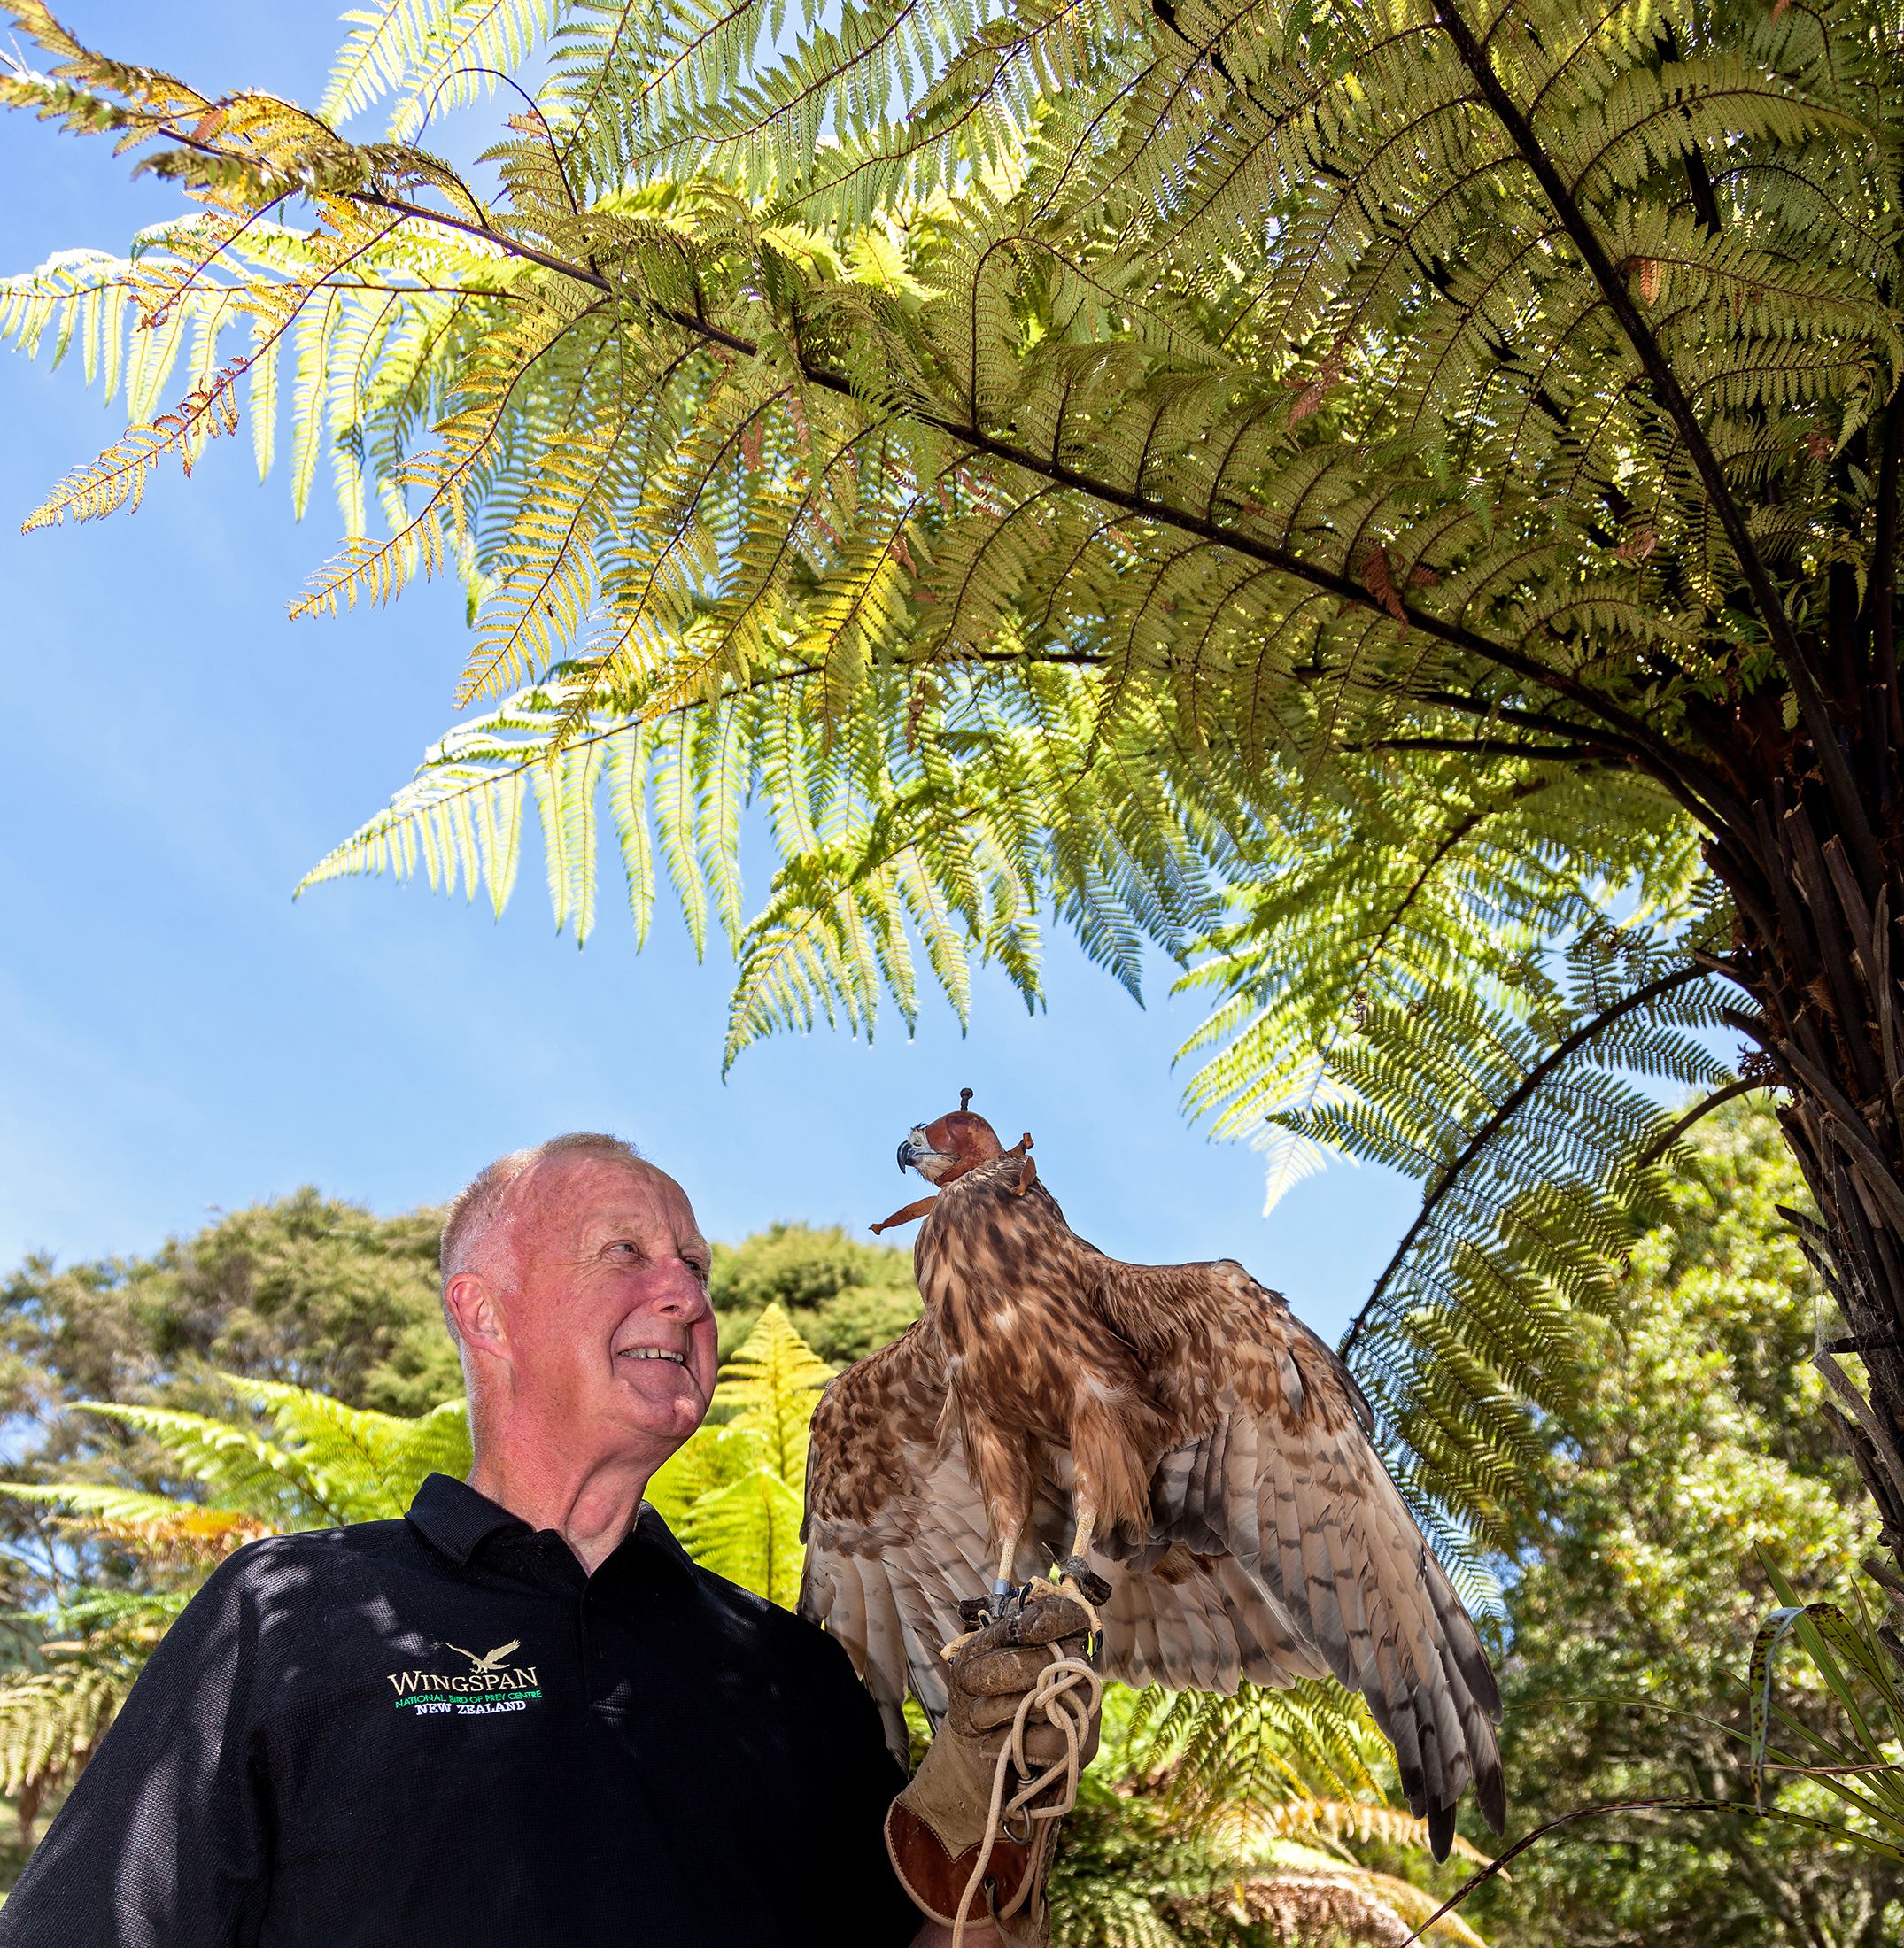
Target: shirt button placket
585, 1636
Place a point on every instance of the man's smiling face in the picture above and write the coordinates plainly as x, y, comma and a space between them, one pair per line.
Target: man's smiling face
610, 1335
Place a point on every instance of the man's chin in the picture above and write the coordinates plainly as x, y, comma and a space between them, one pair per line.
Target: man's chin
667, 1401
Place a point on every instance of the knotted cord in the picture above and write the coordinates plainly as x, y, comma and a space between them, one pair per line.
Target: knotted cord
1067, 1693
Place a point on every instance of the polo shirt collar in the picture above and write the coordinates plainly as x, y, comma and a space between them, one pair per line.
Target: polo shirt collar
454, 1517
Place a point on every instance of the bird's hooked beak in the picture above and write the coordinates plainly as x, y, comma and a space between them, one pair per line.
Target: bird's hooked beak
918, 1153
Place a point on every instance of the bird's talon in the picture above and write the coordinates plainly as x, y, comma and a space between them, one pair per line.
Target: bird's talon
1077, 1578
1005, 1600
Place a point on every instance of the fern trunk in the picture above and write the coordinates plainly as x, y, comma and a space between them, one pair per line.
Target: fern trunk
1818, 880
1825, 976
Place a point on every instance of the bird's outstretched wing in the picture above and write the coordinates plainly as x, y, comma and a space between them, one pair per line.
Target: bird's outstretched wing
896, 1538
1278, 1546
895, 1529
1282, 1490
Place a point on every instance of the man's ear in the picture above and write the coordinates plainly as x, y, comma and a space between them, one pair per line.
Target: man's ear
472, 1304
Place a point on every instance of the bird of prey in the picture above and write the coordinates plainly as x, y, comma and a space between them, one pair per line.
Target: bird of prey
491, 1660
1171, 1428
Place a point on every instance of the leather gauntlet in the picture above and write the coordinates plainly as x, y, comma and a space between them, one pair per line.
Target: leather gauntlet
937, 1830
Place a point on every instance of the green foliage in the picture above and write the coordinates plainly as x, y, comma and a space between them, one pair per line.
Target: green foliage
845, 1297
735, 1492
1858, 1757
1166, 1851
1695, 1482
330, 1463
53, 1716
1525, 1119
307, 1289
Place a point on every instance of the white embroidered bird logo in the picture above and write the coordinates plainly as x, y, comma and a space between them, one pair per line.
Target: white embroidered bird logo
491, 1660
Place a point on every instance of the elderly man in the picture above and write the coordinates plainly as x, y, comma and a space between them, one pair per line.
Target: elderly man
521, 1715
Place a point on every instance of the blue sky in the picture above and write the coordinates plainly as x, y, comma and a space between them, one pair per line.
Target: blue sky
175, 1034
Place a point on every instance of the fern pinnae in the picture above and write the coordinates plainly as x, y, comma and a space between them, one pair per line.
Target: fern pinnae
1254, 438
678, 814
476, 43
544, 600
378, 569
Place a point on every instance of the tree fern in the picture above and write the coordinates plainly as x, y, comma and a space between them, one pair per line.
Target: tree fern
1415, 481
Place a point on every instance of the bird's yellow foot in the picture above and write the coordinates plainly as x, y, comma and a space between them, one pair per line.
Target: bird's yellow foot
1077, 1580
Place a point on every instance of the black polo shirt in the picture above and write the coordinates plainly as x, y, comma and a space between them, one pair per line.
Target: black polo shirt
439, 1733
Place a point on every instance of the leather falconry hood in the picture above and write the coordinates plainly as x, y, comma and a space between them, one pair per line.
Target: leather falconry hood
969, 1140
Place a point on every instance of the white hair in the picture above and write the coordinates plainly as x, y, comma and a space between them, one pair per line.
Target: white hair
483, 1203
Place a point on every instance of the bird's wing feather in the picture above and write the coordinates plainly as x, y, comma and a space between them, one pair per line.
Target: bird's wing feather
1282, 1478
1184, 1612
895, 1529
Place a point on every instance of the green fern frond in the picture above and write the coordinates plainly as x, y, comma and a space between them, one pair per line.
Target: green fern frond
735, 1492
330, 1463
431, 55
1164, 1847
51, 1717
365, 1465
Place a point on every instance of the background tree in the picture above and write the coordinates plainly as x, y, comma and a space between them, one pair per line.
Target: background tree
1696, 1462
844, 1297
306, 1290
1437, 463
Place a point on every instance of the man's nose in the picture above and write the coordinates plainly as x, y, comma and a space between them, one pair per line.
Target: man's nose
683, 1295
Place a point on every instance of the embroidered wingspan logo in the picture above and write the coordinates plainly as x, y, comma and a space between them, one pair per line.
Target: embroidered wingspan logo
491, 1660
491, 1684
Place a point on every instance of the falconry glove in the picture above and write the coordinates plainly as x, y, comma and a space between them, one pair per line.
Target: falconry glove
971, 1837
